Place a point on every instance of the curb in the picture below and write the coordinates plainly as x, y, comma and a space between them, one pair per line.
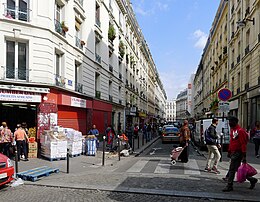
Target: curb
146, 146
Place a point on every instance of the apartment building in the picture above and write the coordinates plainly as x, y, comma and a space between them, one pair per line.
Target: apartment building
231, 60
74, 64
170, 110
182, 106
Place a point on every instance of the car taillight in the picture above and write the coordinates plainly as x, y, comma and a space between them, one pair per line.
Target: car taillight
9, 163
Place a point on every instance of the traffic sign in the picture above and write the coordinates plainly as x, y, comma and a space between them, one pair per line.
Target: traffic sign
223, 107
224, 94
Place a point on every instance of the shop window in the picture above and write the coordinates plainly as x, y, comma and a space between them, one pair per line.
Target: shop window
16, 60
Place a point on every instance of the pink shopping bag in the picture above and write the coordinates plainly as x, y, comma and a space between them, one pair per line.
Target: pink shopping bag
251, 171
242, 173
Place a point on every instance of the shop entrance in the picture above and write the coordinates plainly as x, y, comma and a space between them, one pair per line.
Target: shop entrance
14, 113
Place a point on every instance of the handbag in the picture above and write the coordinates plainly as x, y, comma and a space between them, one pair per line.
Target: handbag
242, 173
251, 171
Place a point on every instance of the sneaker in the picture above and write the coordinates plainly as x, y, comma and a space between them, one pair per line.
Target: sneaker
207, 169
227, 189
257, 156
252, 183
215, 170
225, 179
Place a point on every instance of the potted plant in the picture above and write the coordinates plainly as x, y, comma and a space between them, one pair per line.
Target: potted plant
64, 27
121, 48
111, 33
82, 43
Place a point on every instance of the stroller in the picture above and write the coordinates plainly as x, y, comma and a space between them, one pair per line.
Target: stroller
175, 153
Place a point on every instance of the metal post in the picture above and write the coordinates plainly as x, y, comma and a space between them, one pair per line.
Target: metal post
221, 138
16, 161
142, 139
133, 142
118, 147
138, 141
104, 144
68, 160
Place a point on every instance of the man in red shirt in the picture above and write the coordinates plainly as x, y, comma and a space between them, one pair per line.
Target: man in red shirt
237, 152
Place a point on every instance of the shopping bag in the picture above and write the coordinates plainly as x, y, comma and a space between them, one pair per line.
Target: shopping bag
242, 173
251, 171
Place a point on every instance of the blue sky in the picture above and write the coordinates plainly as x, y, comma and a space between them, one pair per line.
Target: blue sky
176, 32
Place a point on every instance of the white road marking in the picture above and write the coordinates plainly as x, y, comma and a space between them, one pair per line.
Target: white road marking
137, 167
163, 168
191, 167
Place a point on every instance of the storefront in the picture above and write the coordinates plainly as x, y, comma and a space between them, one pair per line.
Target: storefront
20, 104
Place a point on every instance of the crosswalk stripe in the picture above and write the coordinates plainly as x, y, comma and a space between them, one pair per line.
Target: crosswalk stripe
137, 167
191, 167
163, 167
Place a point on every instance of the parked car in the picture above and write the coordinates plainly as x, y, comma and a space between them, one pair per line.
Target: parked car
200, 127
6, 170
170, 134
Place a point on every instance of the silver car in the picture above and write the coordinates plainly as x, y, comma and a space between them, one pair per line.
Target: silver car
170, 134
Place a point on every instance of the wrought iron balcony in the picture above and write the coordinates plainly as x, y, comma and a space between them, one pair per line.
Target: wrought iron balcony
15, 73
79, 87
60, 80
111, 68
98, 94
17, 12
98, 58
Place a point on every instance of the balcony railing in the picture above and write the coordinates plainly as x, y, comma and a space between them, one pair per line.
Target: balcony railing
79, 87
60, 80
80, 2
238, 58
111, 68
79, 43
58, 28
98, 94
14, 73
247, 86
98, 58
247, 50
17, 13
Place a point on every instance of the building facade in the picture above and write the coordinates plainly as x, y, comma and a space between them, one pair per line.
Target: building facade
170, 110
182, 106
231, 60
74, 64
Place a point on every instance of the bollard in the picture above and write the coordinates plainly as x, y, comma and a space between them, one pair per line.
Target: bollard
118, 147
104, 144
221, 144
68, 160
142, 139
16, 161
138, 141
133, 143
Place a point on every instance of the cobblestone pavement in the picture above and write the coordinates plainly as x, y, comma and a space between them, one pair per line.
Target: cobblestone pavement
31, 193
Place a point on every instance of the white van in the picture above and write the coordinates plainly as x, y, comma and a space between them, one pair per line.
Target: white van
203, 124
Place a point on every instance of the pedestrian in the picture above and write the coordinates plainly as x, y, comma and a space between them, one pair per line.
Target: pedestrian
213, 146
94, 131
21, 138
149, 132
110, 134
255, 135
184, 142
145, 131
237, 153
6, 139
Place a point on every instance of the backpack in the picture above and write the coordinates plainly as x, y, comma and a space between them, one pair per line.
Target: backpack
208, 138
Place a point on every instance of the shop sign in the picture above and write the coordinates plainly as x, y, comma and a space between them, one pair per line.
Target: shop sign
78, 102
16, 96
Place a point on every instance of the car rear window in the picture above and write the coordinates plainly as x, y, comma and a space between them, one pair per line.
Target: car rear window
171, 130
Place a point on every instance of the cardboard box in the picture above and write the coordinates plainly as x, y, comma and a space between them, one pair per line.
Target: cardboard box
32, 155
32, 145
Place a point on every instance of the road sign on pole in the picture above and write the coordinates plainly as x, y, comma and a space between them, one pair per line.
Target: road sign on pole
224, 94
223, 107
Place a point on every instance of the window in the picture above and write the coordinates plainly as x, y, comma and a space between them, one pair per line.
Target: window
17, 9
59, 71
16, 60
98, 23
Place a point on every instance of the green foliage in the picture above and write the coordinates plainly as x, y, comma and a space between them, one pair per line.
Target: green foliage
111, 33
121, 48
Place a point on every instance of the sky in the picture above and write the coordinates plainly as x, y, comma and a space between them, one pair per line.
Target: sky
176, 32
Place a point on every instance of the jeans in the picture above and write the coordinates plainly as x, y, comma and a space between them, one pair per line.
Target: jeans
213, 156
21, 145
257, 143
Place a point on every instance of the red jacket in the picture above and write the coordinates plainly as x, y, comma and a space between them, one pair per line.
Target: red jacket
238, 140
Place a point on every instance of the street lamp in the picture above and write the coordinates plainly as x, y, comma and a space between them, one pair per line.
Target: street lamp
242, 23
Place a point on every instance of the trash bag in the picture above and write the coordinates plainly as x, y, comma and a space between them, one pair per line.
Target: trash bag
242, 173
17, 182
251, 171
